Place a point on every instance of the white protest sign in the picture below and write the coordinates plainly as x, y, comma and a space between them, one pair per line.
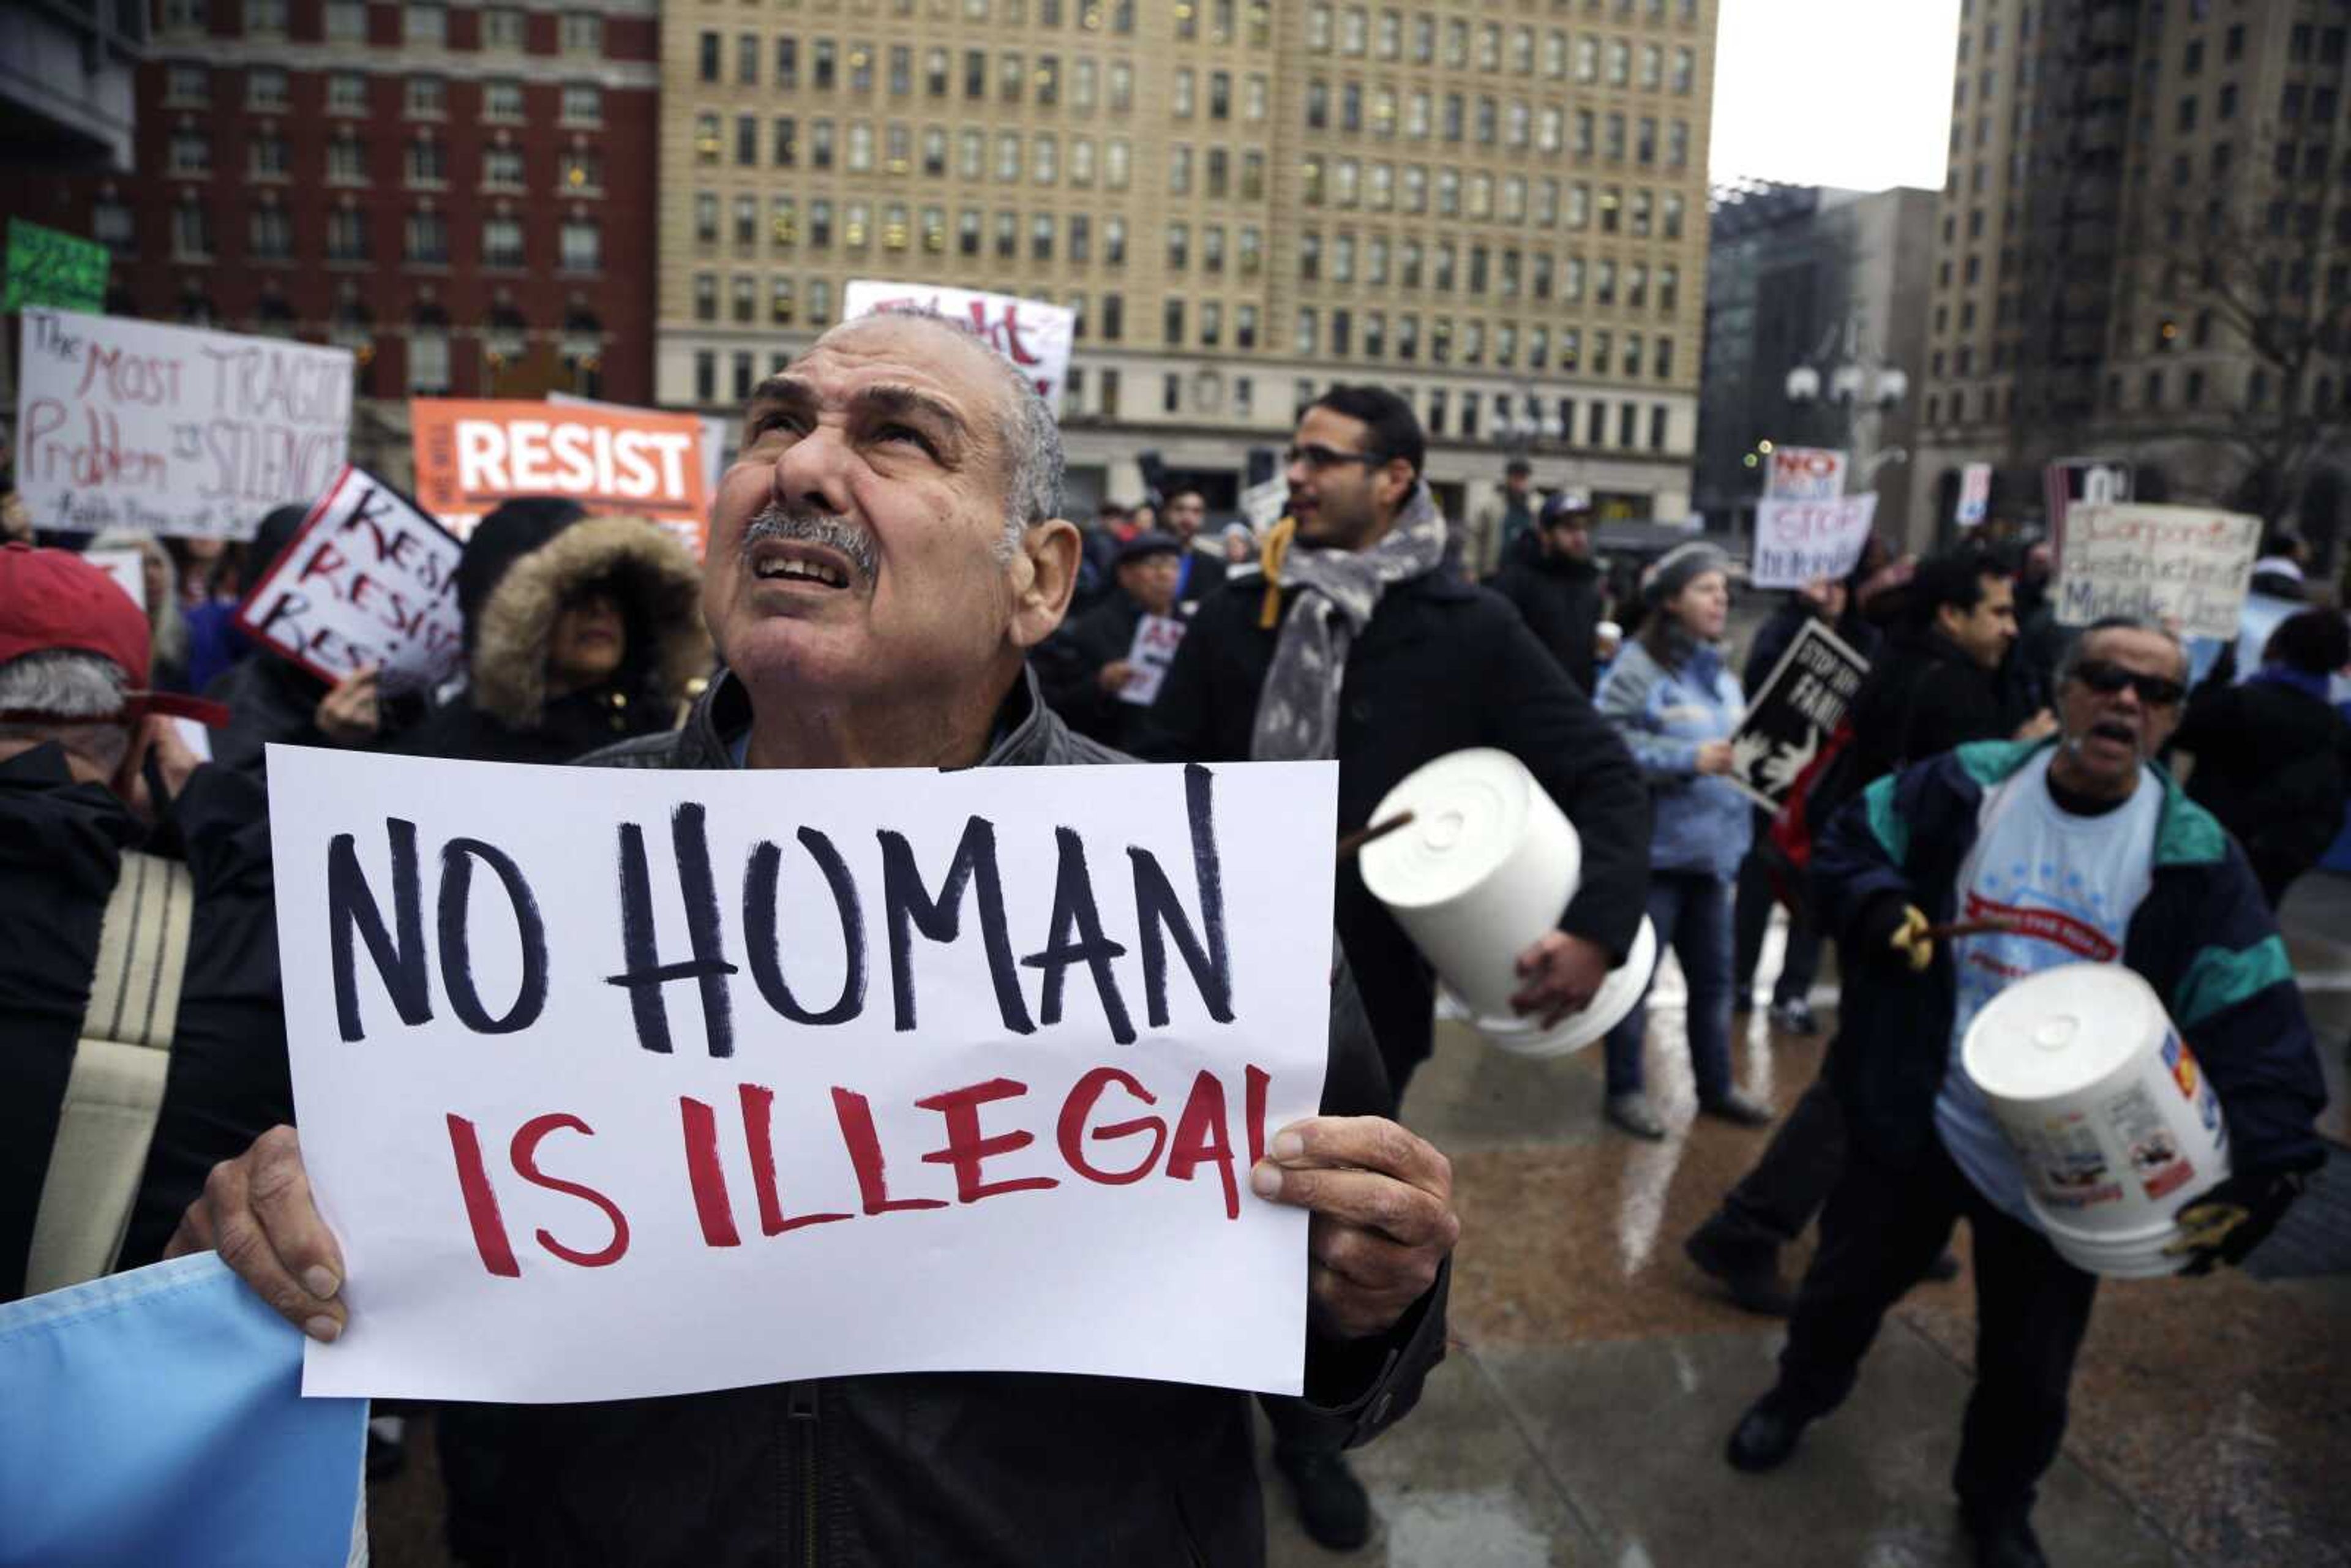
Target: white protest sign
1799, 541
128, 568
1261, 505
714, 1079
1805, 473
2186, 565
1975, 494
1032, 334
172, 430
1156, 638
368, 579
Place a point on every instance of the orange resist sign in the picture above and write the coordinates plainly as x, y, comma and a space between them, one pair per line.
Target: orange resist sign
471, 456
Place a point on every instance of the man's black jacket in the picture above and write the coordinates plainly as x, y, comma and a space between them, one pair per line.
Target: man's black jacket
1070, 665
966, 1467
60, 845
1560, 599
1924, 696
1441, 667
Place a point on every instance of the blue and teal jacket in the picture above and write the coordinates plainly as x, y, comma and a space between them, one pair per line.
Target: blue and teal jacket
1698, 823
2204, 938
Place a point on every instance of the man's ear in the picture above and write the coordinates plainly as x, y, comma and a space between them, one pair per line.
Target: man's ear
1044, 576
1395, 483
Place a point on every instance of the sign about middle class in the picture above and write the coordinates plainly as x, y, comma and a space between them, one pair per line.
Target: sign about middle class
1792, 716
368, 579
709, 1079
2187, 567
471, 455
1797, 541
1034, 335
172, 430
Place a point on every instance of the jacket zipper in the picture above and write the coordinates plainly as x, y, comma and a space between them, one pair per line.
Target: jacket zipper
800, 1406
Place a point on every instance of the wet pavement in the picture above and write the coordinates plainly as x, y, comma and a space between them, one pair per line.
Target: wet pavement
1580, 1416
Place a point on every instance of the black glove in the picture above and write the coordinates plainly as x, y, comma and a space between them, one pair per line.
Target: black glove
1891, 930
2234, 1217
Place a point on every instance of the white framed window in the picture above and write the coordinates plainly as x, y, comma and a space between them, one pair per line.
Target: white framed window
346, 93
427, 97
583, 103
582, 33
504, 28
264, 89
187, 85
502, 168
425, 22
265, 18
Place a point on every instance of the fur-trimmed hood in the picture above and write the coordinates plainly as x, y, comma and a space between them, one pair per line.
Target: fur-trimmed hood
659, 589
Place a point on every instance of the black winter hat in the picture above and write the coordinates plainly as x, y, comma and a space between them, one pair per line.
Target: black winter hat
511, 531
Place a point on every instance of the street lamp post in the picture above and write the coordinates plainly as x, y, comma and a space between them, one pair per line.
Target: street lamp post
1863, 388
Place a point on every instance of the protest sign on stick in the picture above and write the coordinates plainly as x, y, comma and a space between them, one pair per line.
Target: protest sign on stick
716, 1078
2188, 567
369, 580
1156, 638
1805, 473
170, 430
1792, 715
471, 455
1035, 336
1799, 541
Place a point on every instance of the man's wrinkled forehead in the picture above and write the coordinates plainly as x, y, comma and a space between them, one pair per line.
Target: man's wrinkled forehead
936, 362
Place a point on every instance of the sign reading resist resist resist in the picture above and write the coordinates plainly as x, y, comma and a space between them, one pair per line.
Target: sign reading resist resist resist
707, 1079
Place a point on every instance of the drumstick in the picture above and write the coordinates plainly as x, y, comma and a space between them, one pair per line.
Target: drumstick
1959, 928
1362, 836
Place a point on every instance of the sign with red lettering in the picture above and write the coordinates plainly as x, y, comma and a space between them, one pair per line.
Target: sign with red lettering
172, 430
2187, 566
630, 462
1805, 473
369, 580
1799, 541
1035, 336
708, 1080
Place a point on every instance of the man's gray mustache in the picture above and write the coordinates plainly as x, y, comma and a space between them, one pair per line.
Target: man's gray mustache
777, 521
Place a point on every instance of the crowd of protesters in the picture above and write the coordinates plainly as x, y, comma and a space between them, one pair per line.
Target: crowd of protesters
1366, 628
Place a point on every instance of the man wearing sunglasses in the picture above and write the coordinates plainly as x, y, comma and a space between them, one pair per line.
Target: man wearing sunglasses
2091, 853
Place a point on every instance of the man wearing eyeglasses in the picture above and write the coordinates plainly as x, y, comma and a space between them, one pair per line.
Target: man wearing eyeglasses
1358, 643
2080, 851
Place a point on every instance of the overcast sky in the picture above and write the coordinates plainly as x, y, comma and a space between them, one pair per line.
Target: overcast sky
1835, 92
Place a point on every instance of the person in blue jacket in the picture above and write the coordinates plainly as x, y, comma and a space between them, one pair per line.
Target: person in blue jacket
1676, 703
2107, 859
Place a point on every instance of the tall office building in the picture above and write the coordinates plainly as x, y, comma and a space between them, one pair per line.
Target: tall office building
461, 194
1498, 209
2134, 185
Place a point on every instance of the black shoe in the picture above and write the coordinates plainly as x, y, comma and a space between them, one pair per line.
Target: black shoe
1733, 1105
1794, 1018
1331, 1502
2007, 1541
1943, 1270
1765, 1436
1750, 1270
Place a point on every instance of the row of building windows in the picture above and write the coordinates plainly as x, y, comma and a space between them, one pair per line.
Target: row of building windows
424, 24
1354, 31
1516, 125
1087, 84
348, 237
2157, 392
424, 162
268, 91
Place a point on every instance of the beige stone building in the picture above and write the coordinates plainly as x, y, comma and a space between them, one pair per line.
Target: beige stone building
1498, 209
2131, 186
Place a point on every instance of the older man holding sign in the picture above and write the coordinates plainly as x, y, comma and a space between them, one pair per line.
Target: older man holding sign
1040, 1150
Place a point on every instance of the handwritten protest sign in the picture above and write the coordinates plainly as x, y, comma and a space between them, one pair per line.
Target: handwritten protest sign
473, 455
2184, 565
714, 1079
1792, 715
170, 430
1805, 473
1032, 334
368, 579
1156, 638
47, 267
1798, 540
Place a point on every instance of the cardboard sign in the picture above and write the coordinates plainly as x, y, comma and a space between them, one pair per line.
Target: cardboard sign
1797, 541
620, 1082
170, 430
1805, 473
1156, 638
368, 579
2185, 566
1032, 334
1793, 713
2102, 481
61, 270
127, 566
1975, 494
636, 463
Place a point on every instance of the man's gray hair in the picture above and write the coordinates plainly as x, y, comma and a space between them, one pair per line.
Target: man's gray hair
1031, 435
80, 695
2077, 650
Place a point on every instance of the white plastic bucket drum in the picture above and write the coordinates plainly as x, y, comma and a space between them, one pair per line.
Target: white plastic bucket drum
2108, 1112
1488, 864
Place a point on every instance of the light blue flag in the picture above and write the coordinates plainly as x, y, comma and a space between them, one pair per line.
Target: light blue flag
156, 1417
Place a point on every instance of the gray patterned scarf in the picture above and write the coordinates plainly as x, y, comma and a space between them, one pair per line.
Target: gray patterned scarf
1297, 711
